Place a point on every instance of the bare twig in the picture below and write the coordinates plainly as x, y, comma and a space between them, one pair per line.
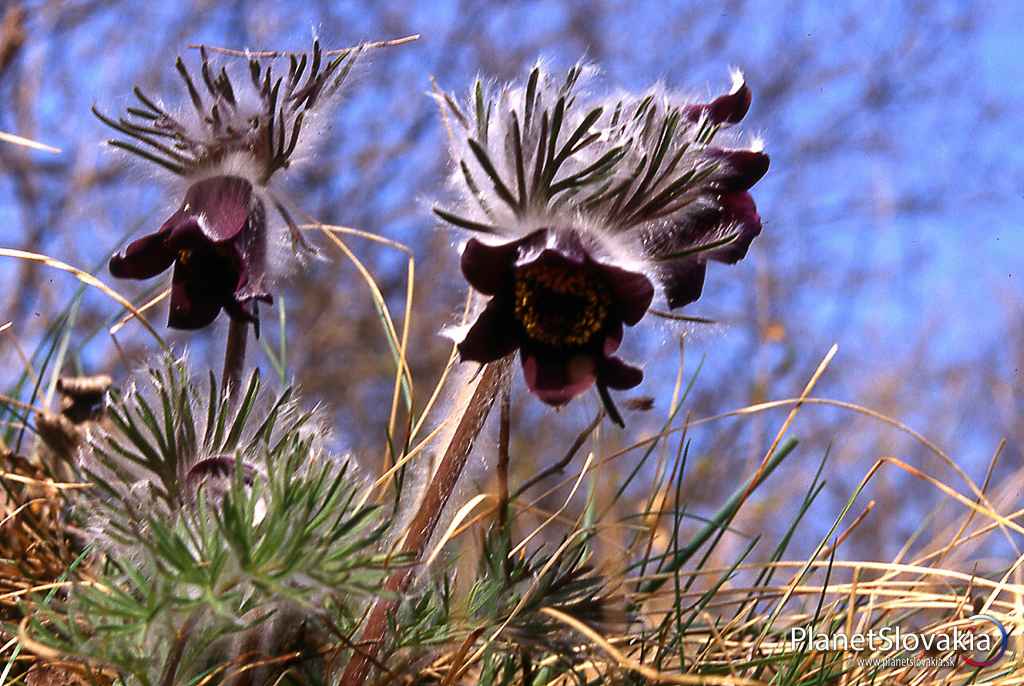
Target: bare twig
560, 466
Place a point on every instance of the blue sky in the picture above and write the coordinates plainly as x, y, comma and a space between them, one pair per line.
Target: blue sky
940, 283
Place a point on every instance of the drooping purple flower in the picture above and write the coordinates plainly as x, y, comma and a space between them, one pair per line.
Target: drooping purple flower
562, 309
213, 476
729, 108
590, 206
242, 130
724, 229
217, 244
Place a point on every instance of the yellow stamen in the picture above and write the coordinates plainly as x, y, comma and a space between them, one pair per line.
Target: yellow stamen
558, 306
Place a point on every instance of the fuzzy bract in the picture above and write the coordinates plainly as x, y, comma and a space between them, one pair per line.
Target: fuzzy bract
585, 207
219, 524
228, 147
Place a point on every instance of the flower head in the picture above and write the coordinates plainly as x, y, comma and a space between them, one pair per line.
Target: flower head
216, 242
228, 145
161, 470
235, 515
583, 209
562, 309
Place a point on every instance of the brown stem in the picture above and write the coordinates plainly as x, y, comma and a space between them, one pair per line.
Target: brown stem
425, 521
234, 356
178, 649
503, 458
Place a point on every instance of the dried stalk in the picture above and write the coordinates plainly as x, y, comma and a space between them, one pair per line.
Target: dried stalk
493, 379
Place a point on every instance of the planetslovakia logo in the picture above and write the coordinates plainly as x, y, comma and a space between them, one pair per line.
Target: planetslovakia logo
976, 645
1004, 639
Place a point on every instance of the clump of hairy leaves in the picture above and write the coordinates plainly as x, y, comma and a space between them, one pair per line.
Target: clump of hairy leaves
517, 592
229, 539
506, 611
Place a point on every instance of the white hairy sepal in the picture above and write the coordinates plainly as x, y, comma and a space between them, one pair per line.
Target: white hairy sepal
603, 235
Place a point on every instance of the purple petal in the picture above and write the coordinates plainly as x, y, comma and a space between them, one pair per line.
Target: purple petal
614, 373
251, 256
725, 109
214, 476
696, 225
738, 169
683, 282
219, 205
740, 212
632, 292
556, 378
706, 224
194, 302
489, 268
612, 337
143, 258
219, 467
203, 283
493, 335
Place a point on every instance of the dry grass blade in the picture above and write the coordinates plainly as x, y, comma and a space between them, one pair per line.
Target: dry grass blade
403, 344
645, 671
27, 143
579, 479
89, 280
14, 513
146, 306
61, 486
453, 527
458, 663
789, 419
399, 344
860, 409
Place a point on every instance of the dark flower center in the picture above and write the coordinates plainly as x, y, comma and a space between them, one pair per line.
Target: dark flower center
558, 306
214, 475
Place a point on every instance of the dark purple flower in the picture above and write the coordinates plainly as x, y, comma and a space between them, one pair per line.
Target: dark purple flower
650, 192
562, 309
725, 109
723, 224
216, 242
214, 476
734, 216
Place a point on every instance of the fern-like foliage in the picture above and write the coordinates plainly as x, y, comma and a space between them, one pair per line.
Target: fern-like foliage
225, 535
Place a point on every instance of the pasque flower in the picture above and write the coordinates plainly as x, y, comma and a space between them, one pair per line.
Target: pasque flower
562, 309
225, 532
227, 147
586, 208
216, 242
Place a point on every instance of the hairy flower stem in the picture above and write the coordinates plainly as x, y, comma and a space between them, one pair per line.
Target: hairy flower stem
234, 356
492, 381
178, 649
